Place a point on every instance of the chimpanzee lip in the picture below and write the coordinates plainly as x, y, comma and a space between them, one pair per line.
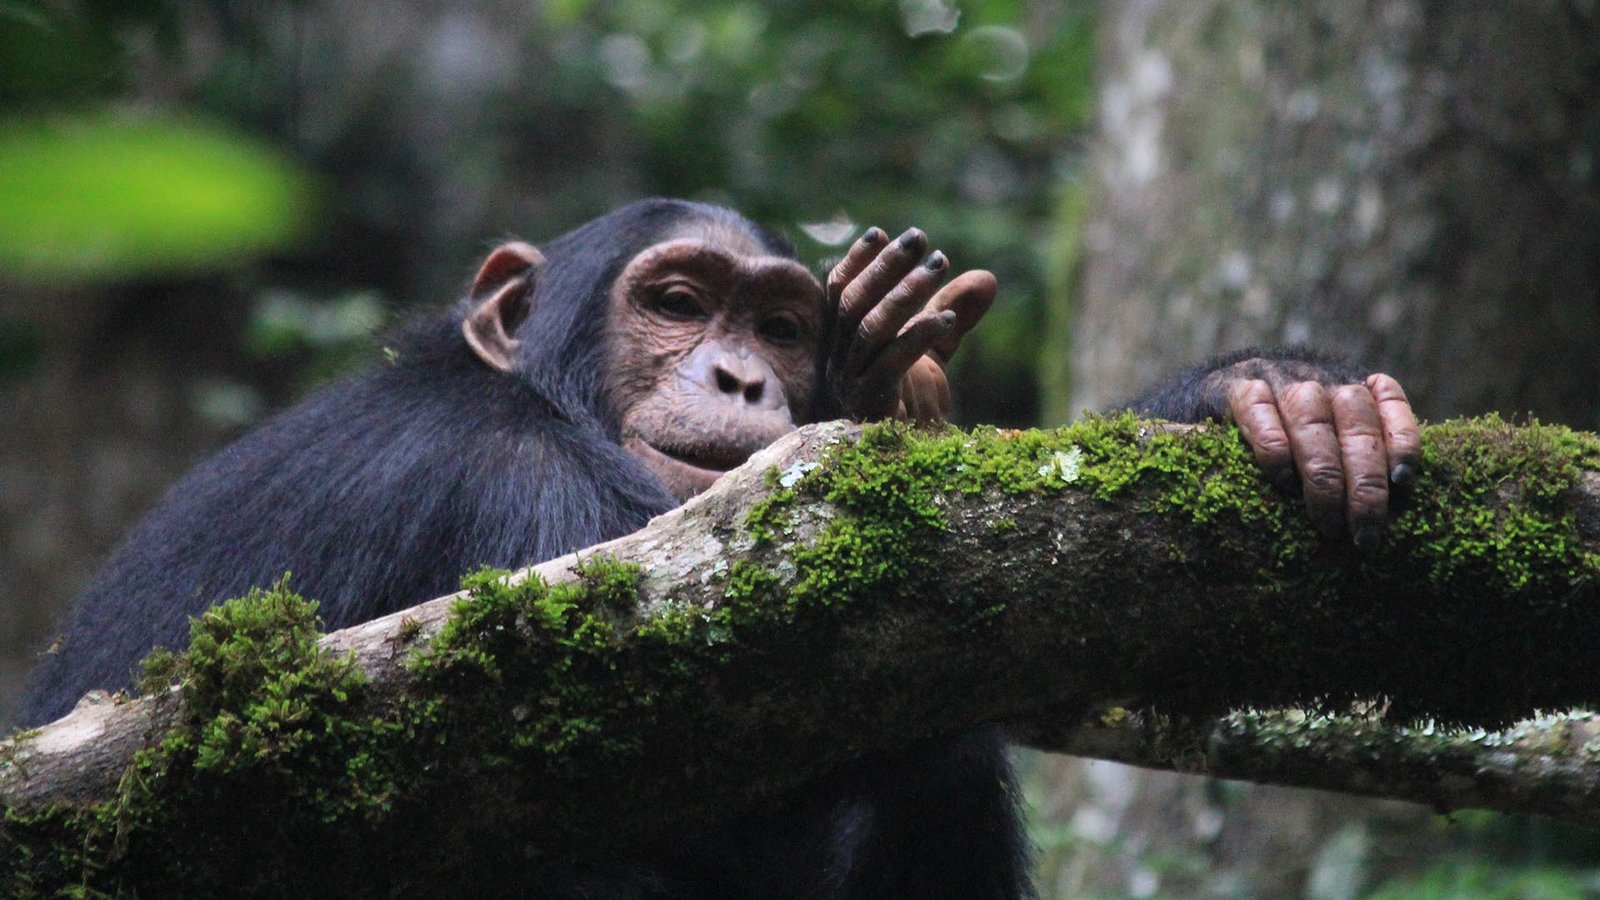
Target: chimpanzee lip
697, 465
707, 459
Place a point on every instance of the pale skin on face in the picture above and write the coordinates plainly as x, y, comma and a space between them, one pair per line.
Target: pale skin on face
892, 329
710, 351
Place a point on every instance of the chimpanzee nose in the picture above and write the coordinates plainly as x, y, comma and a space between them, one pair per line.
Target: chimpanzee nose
735, 374
738, 376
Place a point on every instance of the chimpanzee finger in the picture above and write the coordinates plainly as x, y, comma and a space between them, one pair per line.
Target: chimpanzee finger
884, 322
925, 391
891, 365
862, 252
881, 275
1252, 407
941, 394
1308, 419
969, 295
1366, 466
1401, 437
912, 396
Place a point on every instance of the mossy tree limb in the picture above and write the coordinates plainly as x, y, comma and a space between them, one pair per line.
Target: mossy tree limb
1548, 765
847, 592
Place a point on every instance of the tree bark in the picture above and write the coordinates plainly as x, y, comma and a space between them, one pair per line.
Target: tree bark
1542, 766
844, 594
1413, 183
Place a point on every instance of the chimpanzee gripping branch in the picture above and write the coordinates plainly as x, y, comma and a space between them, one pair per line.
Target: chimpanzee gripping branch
847, 592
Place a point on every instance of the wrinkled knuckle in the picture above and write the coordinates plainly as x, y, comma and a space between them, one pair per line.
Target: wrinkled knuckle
1325, 479
1257, 390
1252, 392
1351, 393
1385, 387
1370, 485
852, 295
1303, 394
1274, 444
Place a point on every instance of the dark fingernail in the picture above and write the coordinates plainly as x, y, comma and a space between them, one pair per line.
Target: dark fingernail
936, 261
1403, 474
874, 236
913, 239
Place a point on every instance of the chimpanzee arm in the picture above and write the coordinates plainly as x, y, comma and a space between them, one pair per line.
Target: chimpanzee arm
1201, 394
1346, 435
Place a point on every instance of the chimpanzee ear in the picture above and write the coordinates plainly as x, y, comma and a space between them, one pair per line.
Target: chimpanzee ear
502, 296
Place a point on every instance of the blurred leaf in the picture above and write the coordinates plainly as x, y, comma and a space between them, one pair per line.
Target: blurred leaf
100, 198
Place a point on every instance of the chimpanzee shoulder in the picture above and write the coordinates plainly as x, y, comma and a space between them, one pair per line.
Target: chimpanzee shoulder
373, 494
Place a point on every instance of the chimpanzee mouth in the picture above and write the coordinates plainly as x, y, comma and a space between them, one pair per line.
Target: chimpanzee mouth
710, 459
687, 468
685, 472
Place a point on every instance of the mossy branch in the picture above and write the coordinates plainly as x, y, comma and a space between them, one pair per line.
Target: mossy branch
847, 592
1548, 765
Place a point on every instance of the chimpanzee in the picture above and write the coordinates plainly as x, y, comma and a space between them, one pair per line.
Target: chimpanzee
578, 391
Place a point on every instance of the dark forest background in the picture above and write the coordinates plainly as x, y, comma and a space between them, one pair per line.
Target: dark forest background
208, 208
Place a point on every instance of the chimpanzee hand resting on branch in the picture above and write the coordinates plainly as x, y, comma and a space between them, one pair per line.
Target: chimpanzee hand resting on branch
1339, 434
578, 390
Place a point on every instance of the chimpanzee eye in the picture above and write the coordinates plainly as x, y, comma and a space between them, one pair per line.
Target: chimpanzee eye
780, 330
680, 304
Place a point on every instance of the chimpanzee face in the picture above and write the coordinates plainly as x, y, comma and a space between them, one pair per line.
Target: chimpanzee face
712, 349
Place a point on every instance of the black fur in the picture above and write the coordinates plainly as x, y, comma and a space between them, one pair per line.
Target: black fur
384, 490
1202, 392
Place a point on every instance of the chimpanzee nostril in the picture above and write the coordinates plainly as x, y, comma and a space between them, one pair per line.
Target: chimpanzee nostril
736, 375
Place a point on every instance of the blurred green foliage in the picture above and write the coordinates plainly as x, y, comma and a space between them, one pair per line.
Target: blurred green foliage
1499, 857
100, 197
459, 123
963, 119
88, 195
74, 54
1459, 877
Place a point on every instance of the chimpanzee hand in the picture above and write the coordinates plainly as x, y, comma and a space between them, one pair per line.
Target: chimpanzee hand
1347, 443
893, 327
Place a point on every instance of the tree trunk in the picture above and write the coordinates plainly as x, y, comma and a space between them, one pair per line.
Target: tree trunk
1411, 183
1414, 183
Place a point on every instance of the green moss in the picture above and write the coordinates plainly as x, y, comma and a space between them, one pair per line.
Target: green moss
556, 694
888, 489
535, 661
1487, 518
269, 739
281, 750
